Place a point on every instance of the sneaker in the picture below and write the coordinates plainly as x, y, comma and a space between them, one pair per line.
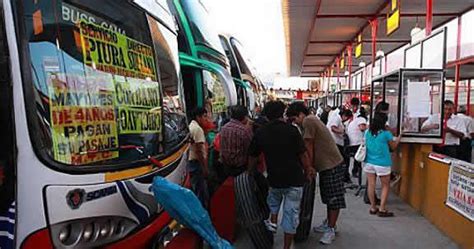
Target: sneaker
323, 227
272, 227
328, 237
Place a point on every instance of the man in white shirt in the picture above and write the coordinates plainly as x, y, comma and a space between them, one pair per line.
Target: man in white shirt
453, 131
355, 106
336, 128
197, 159
320, 110
355, 132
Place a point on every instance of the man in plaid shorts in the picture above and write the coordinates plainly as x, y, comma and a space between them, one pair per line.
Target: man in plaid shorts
327, 160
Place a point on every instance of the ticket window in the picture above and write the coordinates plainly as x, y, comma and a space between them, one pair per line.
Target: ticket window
422, 108
415, 100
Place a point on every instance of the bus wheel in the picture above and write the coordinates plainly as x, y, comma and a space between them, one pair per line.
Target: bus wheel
252, 209
306, 212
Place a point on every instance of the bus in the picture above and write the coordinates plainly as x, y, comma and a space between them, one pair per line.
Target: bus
249, 87
205, 69
92, 109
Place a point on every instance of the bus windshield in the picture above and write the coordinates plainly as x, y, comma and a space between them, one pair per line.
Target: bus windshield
240, 53
95, 82
201, 28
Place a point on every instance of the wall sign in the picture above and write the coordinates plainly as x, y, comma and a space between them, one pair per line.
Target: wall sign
460, 188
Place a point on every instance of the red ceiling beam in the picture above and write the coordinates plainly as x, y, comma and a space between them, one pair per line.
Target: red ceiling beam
377, 12
368, 16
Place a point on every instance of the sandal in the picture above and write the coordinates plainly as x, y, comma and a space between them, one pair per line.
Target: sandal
373, 212
385, 213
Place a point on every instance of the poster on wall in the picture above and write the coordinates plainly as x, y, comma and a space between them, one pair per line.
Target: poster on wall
83, 122
461, 188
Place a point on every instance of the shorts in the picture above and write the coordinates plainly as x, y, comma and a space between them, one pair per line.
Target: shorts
291, 198
331, 185
378, 170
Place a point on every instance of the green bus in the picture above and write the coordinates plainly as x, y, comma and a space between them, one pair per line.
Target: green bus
249, 87
207, 81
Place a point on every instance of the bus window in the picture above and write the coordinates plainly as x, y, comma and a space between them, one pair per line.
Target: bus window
216, 100
7, 169
234, 69
243, 60
95, 82
202, 30
175, 126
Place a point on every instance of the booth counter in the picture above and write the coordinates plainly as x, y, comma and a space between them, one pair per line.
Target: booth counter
424, 185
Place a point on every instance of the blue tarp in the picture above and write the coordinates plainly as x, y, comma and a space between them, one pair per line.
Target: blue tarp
185, 207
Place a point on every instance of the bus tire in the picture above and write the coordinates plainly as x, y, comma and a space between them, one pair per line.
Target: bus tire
306, 211
252, 209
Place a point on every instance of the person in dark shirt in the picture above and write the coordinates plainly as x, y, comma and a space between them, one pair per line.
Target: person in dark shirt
287, 164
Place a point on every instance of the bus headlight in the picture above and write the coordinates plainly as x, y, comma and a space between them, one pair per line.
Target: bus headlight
88, 232
64, 233
91, 232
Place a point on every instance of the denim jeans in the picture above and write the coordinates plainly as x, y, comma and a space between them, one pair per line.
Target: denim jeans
291, 198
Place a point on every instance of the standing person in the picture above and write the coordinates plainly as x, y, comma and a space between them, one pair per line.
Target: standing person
383, 109
325, 115
235, 139
287, 164
197, 160
378, 161
465, 147
355, 132
325, 157
337, 129
355, 106
320, 110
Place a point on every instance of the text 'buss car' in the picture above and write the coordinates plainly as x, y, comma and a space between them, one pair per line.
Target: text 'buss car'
92, 109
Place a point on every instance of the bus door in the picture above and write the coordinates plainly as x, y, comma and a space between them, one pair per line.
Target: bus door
7, 146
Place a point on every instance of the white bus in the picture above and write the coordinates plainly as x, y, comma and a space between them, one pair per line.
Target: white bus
91, 111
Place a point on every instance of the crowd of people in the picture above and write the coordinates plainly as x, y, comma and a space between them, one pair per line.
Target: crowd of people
296, 143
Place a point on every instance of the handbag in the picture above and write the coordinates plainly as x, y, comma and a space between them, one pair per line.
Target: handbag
361, 153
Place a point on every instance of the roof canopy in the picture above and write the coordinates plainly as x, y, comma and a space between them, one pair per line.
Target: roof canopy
318, 31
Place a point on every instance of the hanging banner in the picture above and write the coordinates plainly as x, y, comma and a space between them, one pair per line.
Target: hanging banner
342, 61
461, 188
83, 122
358, 48
393, 17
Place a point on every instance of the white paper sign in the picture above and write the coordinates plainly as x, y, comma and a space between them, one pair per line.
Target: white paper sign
418, 99
461, 188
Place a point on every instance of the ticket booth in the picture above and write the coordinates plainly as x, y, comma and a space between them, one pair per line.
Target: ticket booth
343, 97
415, 98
